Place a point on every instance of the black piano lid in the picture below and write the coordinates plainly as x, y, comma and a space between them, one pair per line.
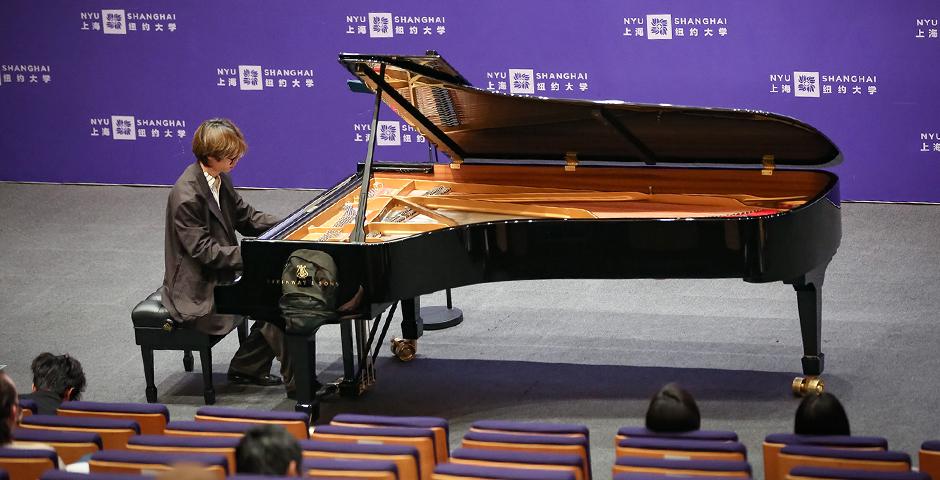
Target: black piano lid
469, 123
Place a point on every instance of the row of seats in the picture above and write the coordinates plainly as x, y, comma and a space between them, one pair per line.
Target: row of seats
122, 437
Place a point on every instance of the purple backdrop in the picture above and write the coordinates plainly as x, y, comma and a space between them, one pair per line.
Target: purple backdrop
111, 91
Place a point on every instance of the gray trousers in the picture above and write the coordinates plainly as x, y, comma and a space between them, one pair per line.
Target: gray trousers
255, 356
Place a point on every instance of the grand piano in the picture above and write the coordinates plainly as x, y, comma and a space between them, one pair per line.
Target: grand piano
539, 188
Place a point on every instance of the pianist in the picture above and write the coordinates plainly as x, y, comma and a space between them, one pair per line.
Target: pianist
203, 213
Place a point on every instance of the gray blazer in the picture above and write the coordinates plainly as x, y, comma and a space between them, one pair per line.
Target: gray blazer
201, 249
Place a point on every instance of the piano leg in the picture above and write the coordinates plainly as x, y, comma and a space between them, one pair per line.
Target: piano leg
412, 327
303, 355
809, 301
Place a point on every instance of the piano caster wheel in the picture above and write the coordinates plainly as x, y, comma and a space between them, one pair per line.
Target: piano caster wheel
803, 386
405, 350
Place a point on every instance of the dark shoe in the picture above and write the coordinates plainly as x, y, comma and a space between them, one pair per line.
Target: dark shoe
264, 380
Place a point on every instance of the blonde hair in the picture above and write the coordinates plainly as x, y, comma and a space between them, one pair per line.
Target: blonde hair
219, 138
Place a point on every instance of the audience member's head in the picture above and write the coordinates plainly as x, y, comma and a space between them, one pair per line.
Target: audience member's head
59, 374
8, 408
268, 450
821, 415
672, 409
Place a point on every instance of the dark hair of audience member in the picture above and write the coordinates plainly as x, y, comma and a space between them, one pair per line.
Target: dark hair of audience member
821, 415
672, 409
59, 374
7, 408
268, 450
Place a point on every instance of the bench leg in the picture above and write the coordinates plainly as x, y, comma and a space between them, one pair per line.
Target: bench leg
205, 357
188, 360
147, 354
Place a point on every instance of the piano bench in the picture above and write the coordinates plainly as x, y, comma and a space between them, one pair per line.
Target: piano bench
155, 330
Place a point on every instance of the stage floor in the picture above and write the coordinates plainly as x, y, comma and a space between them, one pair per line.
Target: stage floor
76, 259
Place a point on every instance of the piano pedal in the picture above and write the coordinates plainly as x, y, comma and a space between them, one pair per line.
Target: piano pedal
803, 386
404, 350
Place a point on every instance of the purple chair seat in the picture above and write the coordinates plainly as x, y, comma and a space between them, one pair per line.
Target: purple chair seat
63, 475
81, 422
509, 456
366, 448
29, 404
252, 414
703, 465
348, 465
496, 473
130, 456
210, 427
524, 438
374, 431
22, 453
57, 436
392, 421
188, 442
681, 444
931, 446
666, 476
844, 474
718, 435
827, 440
103, 407
531, 427
871, 455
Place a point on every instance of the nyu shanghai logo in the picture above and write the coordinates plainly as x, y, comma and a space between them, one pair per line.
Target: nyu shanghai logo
120, 22
25, 74
930, 142
256, 77
815, 85
391, 133
529, 81
129, 127
926, 28
388, 25
665, 26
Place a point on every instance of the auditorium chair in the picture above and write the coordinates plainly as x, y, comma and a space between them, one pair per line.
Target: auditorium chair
547, 442
294, 422
437, 425
28, 407
421, 439
775, 442
819, 473
152, 418
525, 460
70, 446
929, 458
806, 456
405, 458
665, 476
64, 475
643, 432
325, 468
155, 330
192, 428
22, 464
190, 444
453, 471
126, 461
676, 448
114, 432
689, 468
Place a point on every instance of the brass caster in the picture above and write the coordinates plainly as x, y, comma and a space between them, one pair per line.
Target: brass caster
803, 386
404, 350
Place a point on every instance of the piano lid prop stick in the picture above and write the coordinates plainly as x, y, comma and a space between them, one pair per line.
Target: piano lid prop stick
358, 234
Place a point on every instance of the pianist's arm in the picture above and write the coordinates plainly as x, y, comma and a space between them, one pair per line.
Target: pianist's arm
250, 222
